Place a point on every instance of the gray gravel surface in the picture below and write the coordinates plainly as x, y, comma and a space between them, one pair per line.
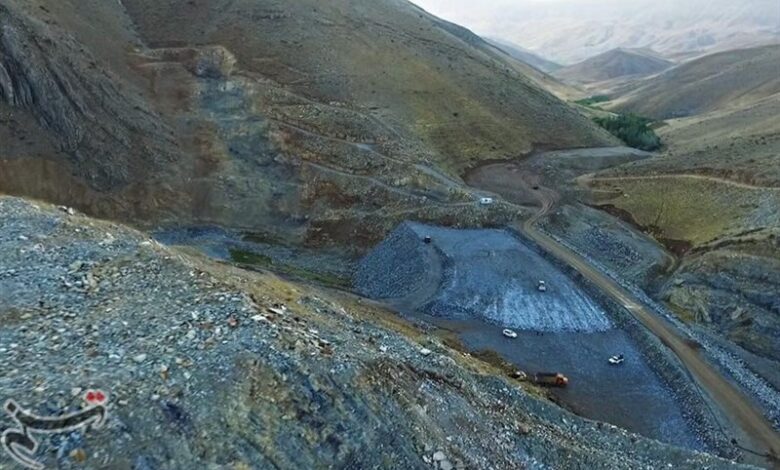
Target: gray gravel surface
765, 395
650, 394
205, 369
486, 274
628, 253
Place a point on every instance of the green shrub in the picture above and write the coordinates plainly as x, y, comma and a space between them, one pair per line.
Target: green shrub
593, 100
634, 130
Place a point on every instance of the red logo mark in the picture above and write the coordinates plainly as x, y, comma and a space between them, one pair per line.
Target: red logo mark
95, 397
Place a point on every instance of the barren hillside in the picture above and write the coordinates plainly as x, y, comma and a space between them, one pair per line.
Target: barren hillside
524, 55
712, 196
614, 64
315, 122
714, 82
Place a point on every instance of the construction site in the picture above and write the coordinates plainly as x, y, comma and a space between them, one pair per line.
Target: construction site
476, 282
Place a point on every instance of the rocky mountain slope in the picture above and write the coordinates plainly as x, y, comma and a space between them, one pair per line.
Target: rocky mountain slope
317, 124
524, 55
616, 63
209, 366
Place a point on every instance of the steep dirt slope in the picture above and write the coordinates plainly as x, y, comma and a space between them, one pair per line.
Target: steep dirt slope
315, 123
72, 128
614, 64
714, 82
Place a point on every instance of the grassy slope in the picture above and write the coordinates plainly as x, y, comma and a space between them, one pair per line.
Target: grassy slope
692, 210
736, 140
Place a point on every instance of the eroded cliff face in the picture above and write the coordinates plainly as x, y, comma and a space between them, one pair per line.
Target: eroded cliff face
732, 289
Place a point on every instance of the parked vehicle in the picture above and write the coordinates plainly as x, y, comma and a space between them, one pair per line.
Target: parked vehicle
616, 360
542, 286
551, 379
509, 334
486, 201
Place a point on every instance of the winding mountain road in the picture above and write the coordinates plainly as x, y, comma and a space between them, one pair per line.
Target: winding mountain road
757, 434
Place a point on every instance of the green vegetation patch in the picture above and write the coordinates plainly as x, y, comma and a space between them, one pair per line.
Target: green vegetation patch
593, 100
249, 258
634, 130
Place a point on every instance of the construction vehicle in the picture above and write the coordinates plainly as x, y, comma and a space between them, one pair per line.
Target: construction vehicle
551, 379
617, 360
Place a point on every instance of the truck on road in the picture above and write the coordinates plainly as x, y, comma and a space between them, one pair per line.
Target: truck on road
551, 379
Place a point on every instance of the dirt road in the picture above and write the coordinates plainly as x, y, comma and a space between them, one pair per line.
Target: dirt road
586, 180
756, 433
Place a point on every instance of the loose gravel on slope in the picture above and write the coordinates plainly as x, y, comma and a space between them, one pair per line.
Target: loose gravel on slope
486, 274
478, 281
204, 369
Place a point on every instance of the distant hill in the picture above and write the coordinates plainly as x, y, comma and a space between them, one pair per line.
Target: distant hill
709, 83
613, 64
524, 55
570, 31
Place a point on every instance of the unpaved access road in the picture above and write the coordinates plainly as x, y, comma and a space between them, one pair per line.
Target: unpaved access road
755, 431
586, 180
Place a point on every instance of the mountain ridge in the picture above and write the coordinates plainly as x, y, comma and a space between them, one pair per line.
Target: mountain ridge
613, 64
332, 110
